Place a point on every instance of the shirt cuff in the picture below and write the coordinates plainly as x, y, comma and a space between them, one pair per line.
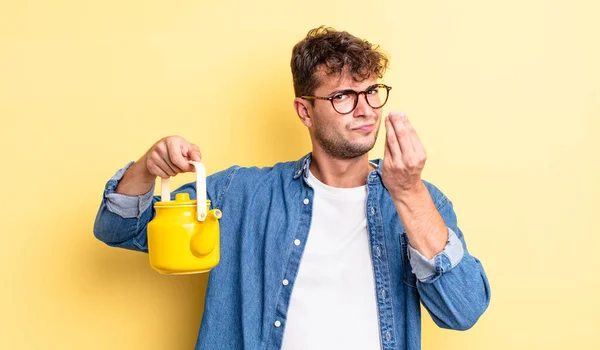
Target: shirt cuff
428, 270
123, 205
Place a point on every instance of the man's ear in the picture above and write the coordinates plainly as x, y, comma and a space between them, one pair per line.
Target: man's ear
304, 109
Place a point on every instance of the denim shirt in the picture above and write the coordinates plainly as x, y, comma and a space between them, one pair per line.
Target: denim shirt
265, 225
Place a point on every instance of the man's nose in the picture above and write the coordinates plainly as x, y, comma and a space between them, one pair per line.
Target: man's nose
363, 109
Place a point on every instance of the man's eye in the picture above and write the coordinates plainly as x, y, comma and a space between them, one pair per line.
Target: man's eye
372, 92
340, 97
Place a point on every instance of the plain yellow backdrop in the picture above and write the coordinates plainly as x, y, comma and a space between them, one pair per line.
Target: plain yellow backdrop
505, 96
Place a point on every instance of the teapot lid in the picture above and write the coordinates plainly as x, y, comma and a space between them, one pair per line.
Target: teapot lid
181, 199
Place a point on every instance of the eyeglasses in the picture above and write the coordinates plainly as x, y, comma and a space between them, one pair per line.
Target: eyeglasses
345, 101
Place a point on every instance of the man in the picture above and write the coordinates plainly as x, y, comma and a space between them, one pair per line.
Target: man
331, 251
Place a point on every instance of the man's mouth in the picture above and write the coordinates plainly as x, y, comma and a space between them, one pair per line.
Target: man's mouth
365, 127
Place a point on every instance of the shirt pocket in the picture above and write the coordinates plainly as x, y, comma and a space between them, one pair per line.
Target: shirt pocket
408, 277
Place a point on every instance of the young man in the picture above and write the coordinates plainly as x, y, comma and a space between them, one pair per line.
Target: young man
331, 251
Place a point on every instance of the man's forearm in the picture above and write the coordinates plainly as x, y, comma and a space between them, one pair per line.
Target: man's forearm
426, 230
137, 180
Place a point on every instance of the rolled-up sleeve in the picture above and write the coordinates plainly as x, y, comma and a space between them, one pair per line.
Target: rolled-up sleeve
426, 270
123, 205
453, 286
121, 220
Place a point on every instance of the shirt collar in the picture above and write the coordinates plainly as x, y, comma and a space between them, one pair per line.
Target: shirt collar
302, 165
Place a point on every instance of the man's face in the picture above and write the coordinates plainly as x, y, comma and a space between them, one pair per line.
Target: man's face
344, 136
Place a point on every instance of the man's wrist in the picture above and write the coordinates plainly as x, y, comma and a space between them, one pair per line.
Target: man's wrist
137, 179
416, 193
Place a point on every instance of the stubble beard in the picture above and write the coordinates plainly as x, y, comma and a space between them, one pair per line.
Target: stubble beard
338, 147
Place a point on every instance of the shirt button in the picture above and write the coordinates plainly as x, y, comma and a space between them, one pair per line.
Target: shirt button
372, 211
306, 200
285, 282
388, 336
277, 324
378, 251
383, 293
297, 242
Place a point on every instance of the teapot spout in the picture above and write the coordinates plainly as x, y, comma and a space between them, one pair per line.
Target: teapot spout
215, 214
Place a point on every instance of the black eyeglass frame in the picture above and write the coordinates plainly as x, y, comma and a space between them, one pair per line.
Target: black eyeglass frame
357, 93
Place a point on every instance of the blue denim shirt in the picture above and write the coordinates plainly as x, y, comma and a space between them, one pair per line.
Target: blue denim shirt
266, 220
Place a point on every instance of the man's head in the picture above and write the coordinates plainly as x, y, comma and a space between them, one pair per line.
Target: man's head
323, 64
334, 52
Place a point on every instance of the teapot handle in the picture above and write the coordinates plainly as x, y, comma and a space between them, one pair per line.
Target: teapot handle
165, 185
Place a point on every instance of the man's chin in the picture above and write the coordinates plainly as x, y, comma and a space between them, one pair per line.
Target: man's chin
367, 145
357, 151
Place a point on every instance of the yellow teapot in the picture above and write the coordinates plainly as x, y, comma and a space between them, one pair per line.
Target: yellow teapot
183, 237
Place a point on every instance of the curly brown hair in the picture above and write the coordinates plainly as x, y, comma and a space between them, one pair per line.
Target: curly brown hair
335, 51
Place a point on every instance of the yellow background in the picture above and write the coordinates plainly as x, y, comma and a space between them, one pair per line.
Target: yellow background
505, 96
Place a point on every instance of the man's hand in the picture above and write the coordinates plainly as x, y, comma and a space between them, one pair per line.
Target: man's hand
167, 157
403, 162
404, 158
170, 156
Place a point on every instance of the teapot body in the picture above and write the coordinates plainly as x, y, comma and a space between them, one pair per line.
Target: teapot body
180, 244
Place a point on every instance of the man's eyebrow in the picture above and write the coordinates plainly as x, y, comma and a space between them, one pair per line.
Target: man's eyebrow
352, 90
340, 91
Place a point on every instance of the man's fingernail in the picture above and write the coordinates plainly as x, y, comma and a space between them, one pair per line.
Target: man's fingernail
403, 115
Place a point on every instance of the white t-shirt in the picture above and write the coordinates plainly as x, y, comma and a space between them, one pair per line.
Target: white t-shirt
333, 303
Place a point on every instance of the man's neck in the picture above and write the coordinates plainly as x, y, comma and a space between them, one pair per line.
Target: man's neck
341, 173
